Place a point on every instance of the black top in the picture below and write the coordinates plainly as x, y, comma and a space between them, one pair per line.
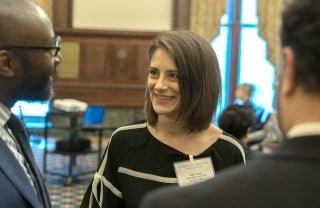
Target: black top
288, 177
135, 162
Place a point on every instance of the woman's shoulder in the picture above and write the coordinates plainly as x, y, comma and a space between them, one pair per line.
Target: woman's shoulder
224, 140
130, 130
129, 135
227, 141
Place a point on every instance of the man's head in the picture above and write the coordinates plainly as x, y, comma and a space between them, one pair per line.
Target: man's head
299, 78
28, 52
236, 120
244, 92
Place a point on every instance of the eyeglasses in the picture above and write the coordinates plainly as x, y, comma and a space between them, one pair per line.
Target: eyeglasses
54, 49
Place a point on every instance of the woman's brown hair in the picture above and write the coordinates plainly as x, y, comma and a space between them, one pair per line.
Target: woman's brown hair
199, 78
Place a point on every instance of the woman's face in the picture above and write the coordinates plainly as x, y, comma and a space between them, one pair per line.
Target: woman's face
163, 84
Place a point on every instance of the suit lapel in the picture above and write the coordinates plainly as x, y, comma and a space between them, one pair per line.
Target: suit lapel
37, 175
12, 169
22, 136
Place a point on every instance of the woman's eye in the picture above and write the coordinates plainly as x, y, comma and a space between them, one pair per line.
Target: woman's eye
174, 75
152, 72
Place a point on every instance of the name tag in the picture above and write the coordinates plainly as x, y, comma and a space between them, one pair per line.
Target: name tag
194, 171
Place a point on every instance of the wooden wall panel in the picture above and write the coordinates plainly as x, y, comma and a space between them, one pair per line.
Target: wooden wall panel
62, 13
94, 60
181, 14
101, 94
113, 67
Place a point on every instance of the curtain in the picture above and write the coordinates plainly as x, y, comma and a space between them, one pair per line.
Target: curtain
269, 12
205, 17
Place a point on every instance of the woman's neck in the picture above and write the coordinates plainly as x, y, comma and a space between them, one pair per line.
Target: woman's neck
170, 126
176, 136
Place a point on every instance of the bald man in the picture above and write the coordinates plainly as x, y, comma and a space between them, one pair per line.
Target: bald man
29, 56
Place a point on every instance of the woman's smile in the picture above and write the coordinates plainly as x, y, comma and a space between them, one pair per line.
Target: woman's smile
163, 97
163, 83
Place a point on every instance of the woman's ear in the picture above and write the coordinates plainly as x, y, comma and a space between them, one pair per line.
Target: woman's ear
6, 69
288, 71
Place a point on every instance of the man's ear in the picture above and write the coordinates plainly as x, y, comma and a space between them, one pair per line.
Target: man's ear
6, 69
288, 71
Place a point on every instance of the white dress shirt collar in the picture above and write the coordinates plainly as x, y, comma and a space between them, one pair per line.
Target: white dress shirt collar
304, 129
4, 114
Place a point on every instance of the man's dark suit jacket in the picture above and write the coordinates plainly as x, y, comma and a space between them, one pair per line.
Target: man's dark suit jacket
290, 177
15, 189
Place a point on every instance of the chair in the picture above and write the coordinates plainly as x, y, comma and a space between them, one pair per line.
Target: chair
94, 115
91, 121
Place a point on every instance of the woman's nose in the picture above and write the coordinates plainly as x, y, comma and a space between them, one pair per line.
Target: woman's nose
161, 83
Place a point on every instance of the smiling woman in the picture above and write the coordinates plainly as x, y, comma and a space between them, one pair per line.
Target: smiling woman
199, 76
163, 82
177, 144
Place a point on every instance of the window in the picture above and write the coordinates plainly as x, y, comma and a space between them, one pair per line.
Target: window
242, 54
32, 113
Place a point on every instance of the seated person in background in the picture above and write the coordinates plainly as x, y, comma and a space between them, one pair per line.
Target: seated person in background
243, 96
177, 144
236, 120
268, 137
